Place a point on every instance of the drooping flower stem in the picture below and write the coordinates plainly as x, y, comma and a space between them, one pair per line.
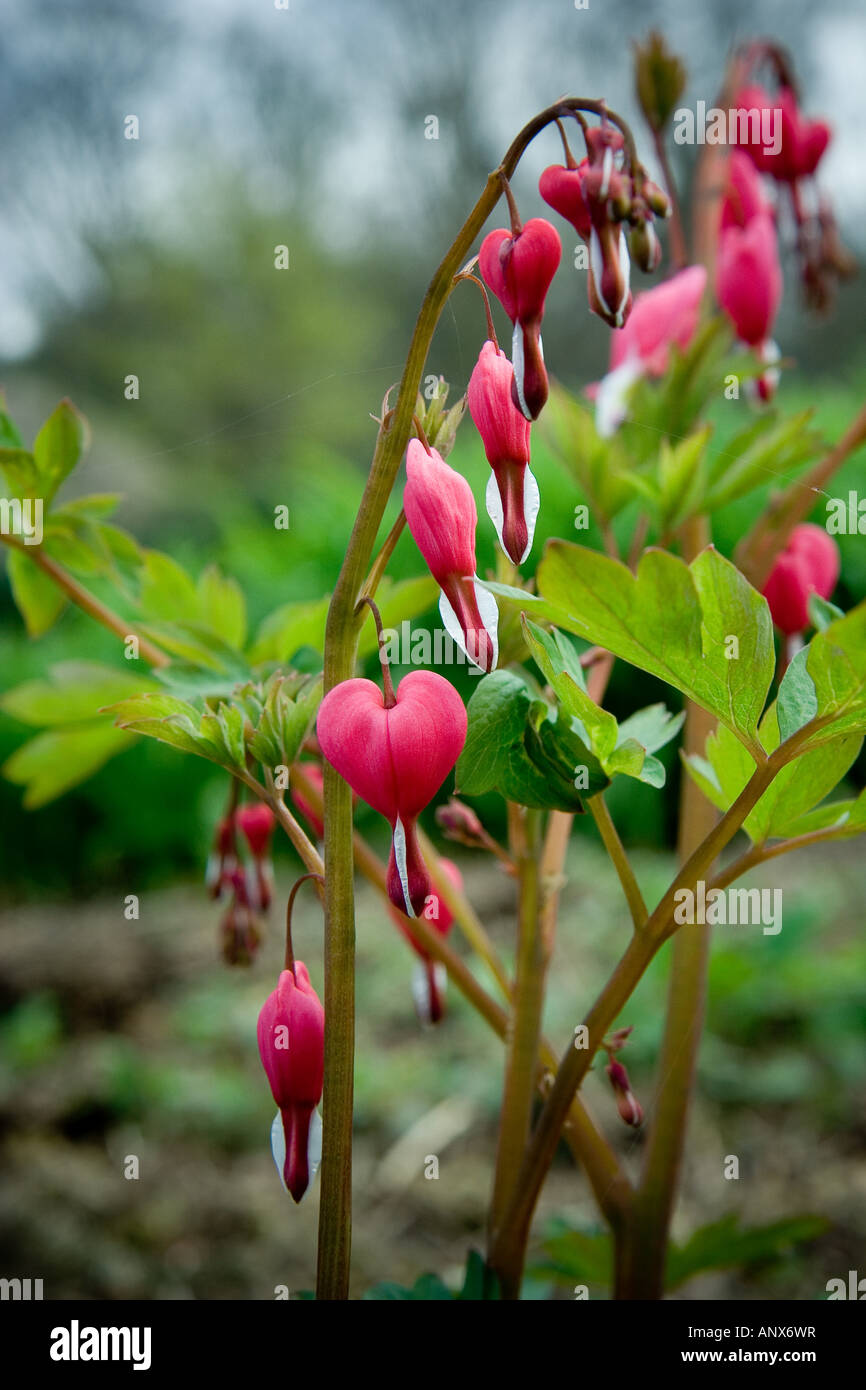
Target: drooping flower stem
335, 1213
390, 697
290, 954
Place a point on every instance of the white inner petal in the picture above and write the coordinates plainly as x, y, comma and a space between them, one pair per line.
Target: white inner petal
278, 1146
625, 262
493, 502
455, 631
611, 402
596, 267
531, 505
400, 859
421, 992
314, 1147
519, 366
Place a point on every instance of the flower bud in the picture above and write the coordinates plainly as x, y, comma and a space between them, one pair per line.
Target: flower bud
512, 492
644, 246
440, 512
396, 758
458, 822
626, 1103
256, 824
660, 79
291, 1037
809, 563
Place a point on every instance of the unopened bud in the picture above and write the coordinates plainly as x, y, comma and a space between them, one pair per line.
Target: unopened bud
626, 1104
660, 80
459, 822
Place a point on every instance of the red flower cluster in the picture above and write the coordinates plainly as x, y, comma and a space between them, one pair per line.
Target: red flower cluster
251, 889
748, 273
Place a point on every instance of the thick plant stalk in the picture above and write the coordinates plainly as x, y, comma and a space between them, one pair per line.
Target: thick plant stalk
508, 1254
521, 1061
642, 1246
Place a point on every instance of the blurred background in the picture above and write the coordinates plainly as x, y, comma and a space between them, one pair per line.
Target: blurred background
307, 128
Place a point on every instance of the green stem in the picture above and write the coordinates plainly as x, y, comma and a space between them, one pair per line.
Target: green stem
521, 1062
614, 846
86, 601
514, 1229
642, 1244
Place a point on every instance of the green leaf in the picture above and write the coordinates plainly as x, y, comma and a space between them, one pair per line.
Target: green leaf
75, 691
681, 478
576, 1256
836, 663
822, 612
765, 450
288, 628
724, 1244
59, 445
167, 591
171, 721
479, 1283
514, 746
497, 710
222, 606
60, 758
672, 620
796, 788
37, 598
9, 436
20, 471
841, 819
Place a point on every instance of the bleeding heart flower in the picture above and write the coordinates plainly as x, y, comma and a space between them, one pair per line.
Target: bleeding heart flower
744, 194
256, 824
291, 1034
561, 188
441, 514
663, 317
396, 757
809, 563
430, 979
749, 287
512, 492
801, 142
518, 269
